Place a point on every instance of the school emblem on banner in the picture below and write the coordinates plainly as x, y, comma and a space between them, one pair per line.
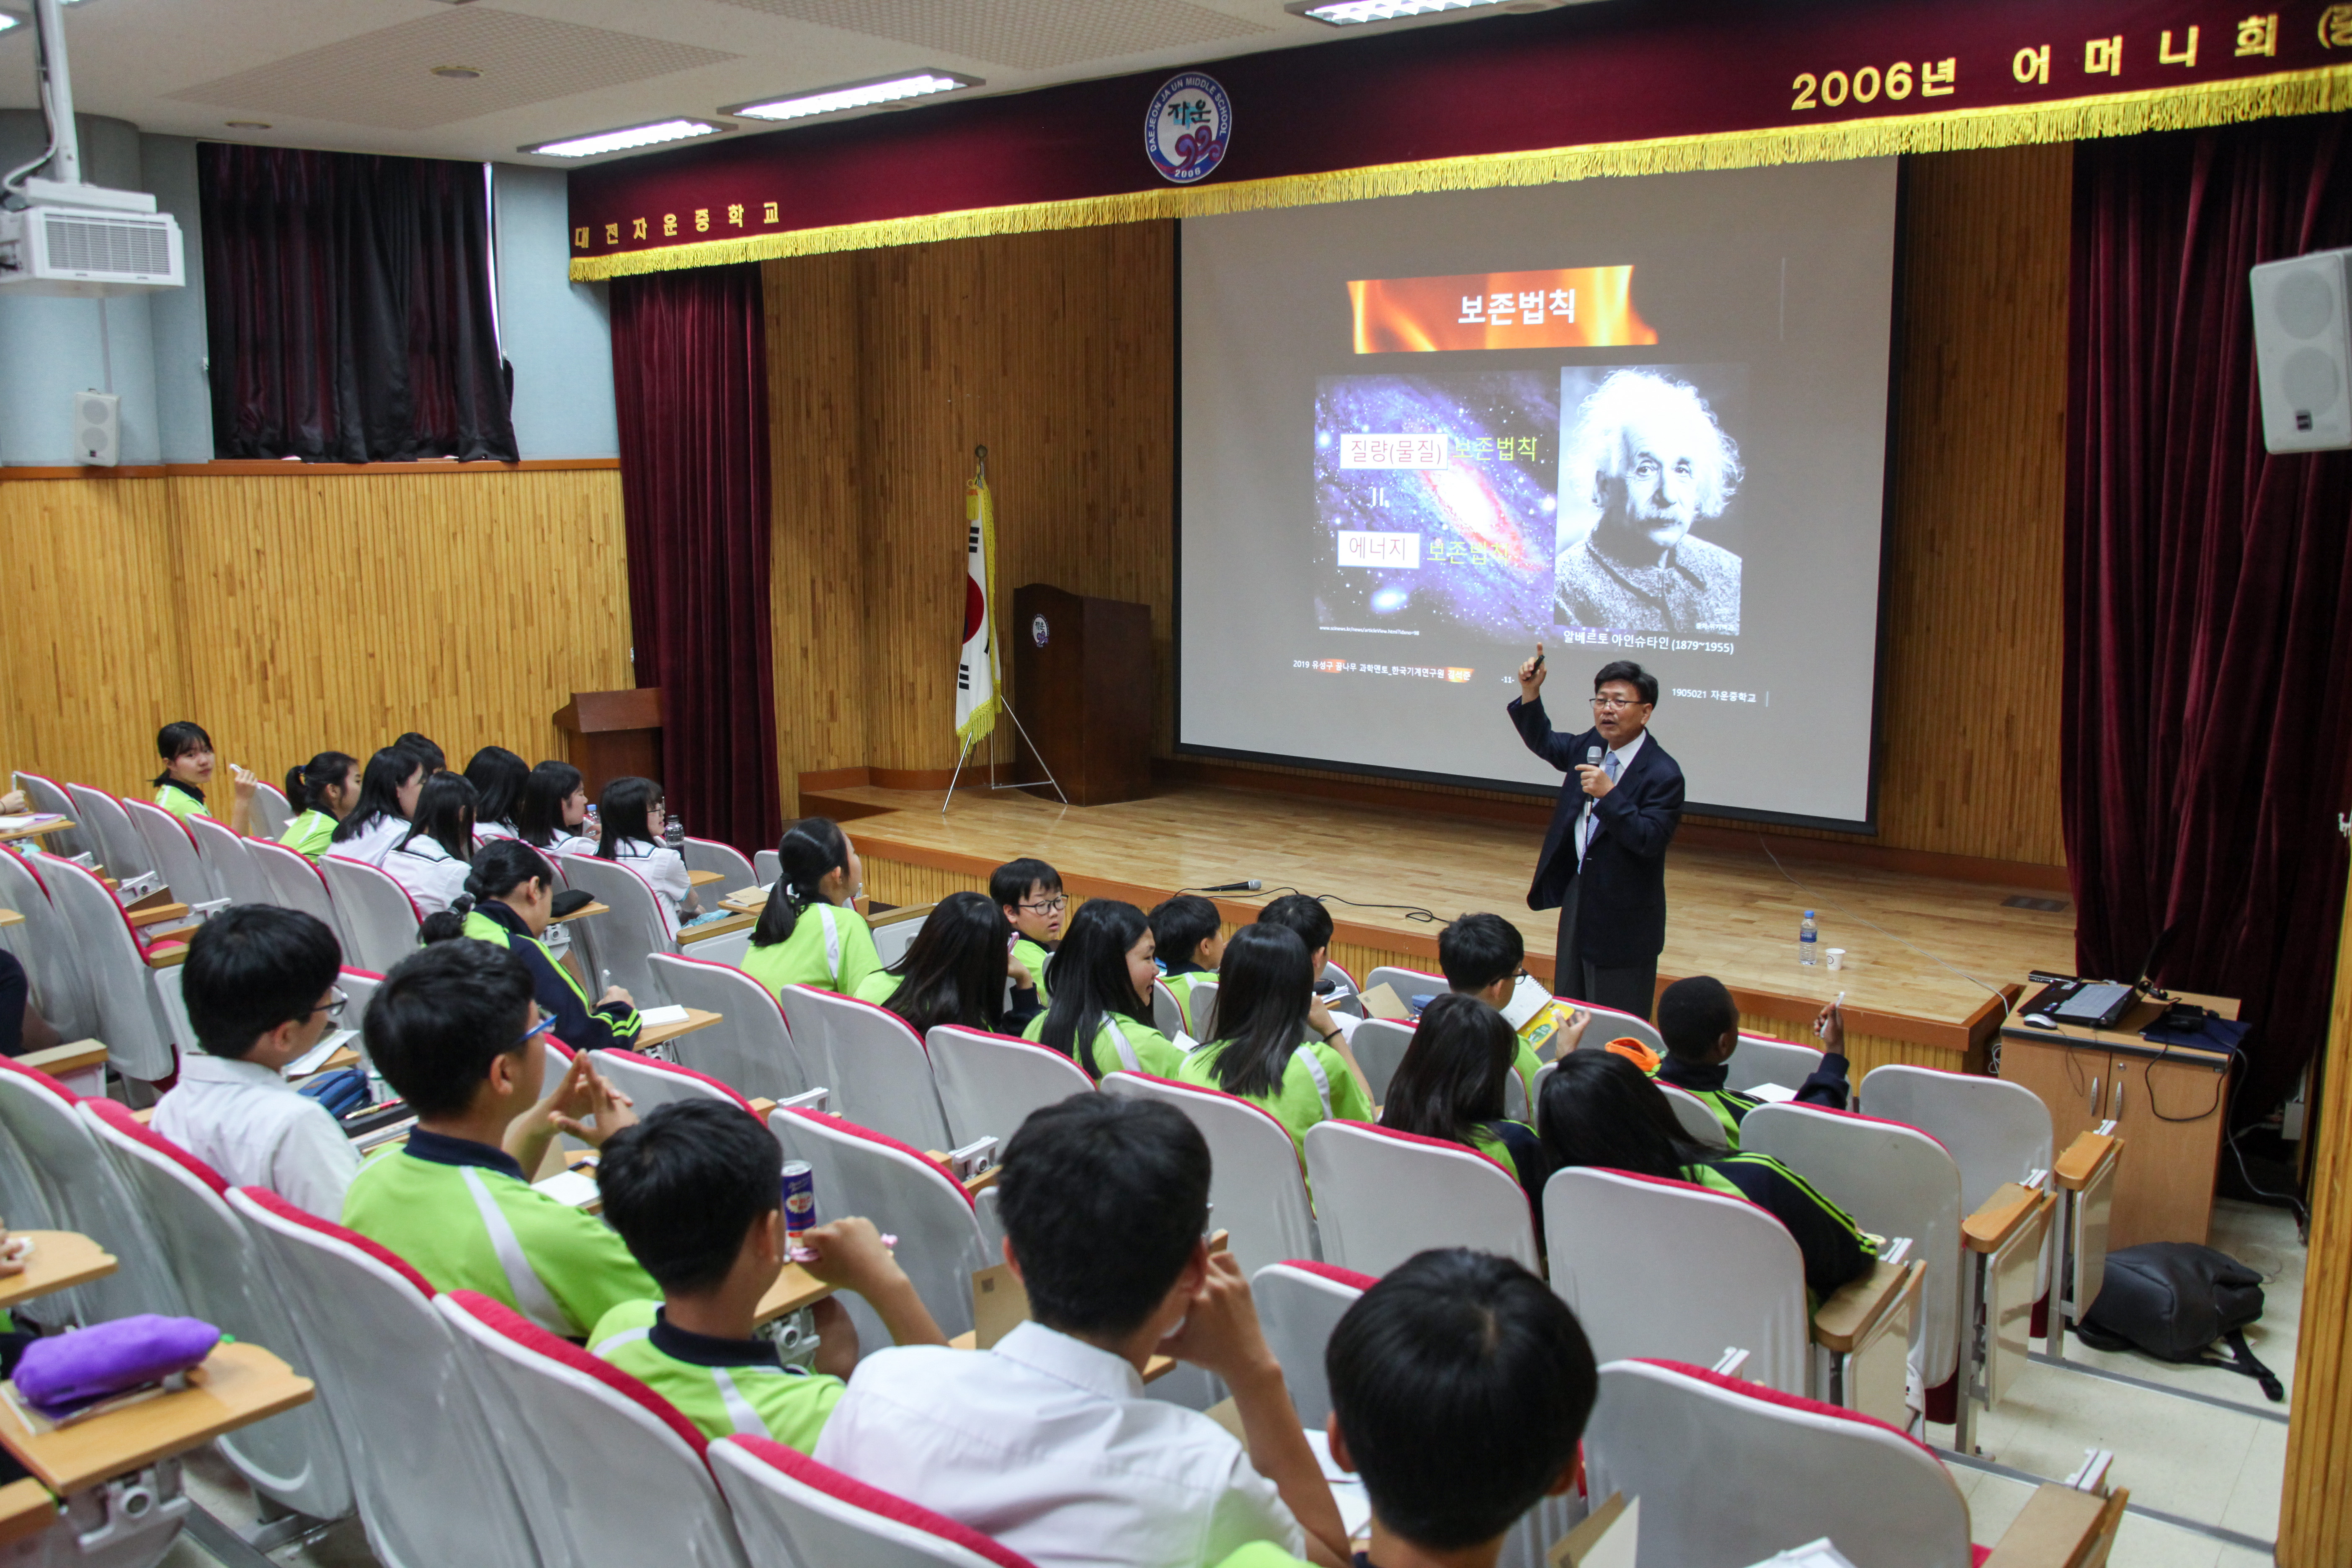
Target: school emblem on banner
1188, 129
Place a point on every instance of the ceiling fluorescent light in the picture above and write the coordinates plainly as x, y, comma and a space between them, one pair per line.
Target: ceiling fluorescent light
625, 138
855, 95
7, 21
1348, 13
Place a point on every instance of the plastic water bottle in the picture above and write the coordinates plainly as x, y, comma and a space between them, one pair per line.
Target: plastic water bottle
674, 835
1808, 939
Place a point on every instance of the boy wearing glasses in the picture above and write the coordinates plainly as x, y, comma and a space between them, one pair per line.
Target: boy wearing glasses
1029, 893
259, 986
454, 1029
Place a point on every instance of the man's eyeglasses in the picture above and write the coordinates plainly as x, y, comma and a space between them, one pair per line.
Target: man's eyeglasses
1053, 905
1612, 702
333, 1009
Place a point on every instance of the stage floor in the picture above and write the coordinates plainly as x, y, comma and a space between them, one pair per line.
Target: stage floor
1732, 913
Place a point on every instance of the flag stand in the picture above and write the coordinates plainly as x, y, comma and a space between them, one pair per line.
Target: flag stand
979, 455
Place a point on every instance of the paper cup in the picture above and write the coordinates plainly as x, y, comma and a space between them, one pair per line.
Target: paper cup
1837, 958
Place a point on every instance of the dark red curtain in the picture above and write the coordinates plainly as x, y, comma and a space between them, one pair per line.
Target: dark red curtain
2209, 644
348, 299
690, 372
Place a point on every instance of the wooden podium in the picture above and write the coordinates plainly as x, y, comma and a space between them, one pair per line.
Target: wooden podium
1082, 677
612, 734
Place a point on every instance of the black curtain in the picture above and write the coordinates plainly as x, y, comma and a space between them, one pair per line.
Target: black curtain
348, 299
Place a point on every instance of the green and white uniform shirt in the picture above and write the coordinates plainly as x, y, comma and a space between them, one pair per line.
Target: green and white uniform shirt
831, 947
726, 1387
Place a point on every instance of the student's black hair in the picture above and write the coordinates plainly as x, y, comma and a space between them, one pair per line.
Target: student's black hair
1693, 1015
1632, 673
379, 792
1090, 980
1103, 1199
809, 850
441, 1017
496, 776
444, 814
252, 967
1453, 1075
1478, 950
1461, 1385
1181, 925
954, 972
1263, 992
423, 750
1302, 914
538, 810
625, 810
1599, 1108
176, 741
1010, 883
306, 783
500, 867
685, 1186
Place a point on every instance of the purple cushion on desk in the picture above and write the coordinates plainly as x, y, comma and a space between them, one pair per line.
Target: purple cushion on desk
57, 1374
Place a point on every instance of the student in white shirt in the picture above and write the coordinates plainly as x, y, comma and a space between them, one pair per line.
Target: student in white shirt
496, 776
552, 810
388, 790
432, 859
630, 811
1046, 1442
259, 986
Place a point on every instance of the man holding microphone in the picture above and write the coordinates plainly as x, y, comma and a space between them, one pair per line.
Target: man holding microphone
1603, 865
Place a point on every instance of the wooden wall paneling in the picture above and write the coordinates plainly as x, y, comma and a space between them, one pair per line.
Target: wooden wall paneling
2315, 1503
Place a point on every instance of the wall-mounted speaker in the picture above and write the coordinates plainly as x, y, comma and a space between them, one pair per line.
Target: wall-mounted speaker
2303, 350
98, 428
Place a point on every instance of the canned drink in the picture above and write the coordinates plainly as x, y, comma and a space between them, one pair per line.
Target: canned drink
800, 1201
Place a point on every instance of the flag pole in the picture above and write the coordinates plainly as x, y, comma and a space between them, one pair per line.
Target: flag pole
996, 683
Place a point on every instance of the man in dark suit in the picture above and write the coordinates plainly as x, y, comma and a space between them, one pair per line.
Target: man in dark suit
1603, 865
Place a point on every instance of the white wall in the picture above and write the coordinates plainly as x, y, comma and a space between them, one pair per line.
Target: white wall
556, 334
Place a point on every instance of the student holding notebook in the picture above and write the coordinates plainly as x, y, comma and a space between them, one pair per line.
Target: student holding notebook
1265, 992
808, 934
322, 792
1699, 1021
1100, 1016
188, 765
379, 820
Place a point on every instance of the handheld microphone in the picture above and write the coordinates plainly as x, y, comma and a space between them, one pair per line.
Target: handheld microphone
1251, 886
1592, 756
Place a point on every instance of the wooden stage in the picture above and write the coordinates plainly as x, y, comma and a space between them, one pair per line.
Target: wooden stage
1731, 912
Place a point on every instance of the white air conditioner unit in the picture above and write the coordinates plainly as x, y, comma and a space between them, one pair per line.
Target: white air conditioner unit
88, 251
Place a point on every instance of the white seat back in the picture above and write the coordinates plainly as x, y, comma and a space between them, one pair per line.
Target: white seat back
172, 852
359, 988
174, 1005
44, 945
1379, 1045
130, 1018
729, 948
1996, 1132
1202, 1005
425, 1469
857, 1171
46, 795
78, 1187
272, 813
609, 1472
876, 1066
751, 1048
793, 1511
734, 871
628, 937
1255, 1188
235, 875
1299, 1302
1757, 1059
1895, 1181
766, 866
895, 934
119, 845
1382, 1197
650, 1081
1167, 1013
1773, 1475
1535, 1108
294, 882
989, 1084
1699, 1122
379, 919
1343, 996
1667, 1268
294, 1458
1609, 1024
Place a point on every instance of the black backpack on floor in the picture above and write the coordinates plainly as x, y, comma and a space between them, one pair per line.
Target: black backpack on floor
2174, 1299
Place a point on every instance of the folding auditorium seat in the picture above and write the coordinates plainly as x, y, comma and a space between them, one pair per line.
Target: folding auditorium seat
272, 812
789, 1510
649, 1082
640, 924
1731, 1473
80, 1191
1381, 1196
295, 1458
609, 1472
294, 882
858, 1171
1344, 995
1607, 1024
44, 945
1204, 1008
895, 932
1699, 1124
875, 1065
115, 960
425, 1466
358, 986
378, 918
234, 874
1379, 1045
118, 844
1299, 1302
1256, 1191
172, 852
1759, 1060
750, 1049
46, 795
734, 871
1407, 983
766, 866
989, 1083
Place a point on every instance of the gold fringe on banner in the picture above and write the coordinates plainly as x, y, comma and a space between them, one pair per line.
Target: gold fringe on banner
2319, 91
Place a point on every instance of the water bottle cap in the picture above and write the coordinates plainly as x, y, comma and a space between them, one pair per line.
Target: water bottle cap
1809, 914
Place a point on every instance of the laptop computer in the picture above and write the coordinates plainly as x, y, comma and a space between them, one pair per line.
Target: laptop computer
2100, 1005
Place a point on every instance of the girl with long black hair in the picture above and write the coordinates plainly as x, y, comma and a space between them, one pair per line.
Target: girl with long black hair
431, 859
954, 971
1100, 1016
1451, 1082
188, 763
630, 811
808, 934
496, 776
322, 792
1266, 989
388, 789
552, 809
509, 901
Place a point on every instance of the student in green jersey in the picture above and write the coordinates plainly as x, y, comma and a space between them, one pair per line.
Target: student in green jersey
808, 933
693, 1191
322, 792
955, 972
1599, 1108
1699, 1021
1450, 1086
1265, 990
1188, 938
1029, 893
453, 1031
1484, 955
188, 765
1100, 1016
509, 901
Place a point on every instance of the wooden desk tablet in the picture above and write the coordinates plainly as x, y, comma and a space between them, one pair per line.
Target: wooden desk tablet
237, 1385
10, 918
64, 1061
737, 921
36, 830
660, 1034
146, 915
26, 1508
748, 902
1158, 1367
1846, 1319
61, 1259
704, 879
794, 1287
582, 913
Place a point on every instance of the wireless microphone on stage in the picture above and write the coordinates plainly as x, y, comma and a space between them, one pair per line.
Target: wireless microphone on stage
1251, 886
